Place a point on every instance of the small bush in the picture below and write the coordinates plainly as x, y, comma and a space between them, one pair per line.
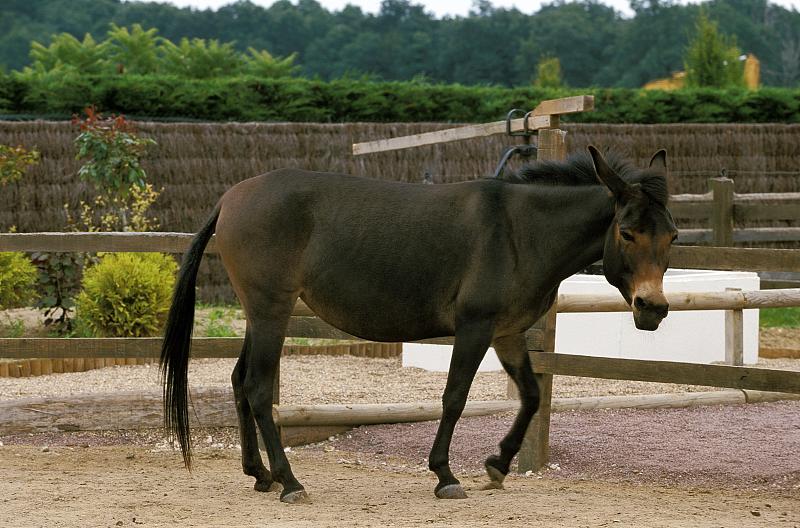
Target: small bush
17, 280
127, 294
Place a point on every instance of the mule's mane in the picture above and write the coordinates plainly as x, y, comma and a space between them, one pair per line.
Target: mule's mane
578, 170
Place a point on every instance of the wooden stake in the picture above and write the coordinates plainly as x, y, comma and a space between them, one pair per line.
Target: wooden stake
722, 211
535, 450
734, 335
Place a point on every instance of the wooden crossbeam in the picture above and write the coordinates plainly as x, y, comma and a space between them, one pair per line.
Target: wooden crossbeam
667, 372
565, 105
543, 116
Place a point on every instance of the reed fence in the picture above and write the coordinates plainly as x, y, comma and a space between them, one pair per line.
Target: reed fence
195, 163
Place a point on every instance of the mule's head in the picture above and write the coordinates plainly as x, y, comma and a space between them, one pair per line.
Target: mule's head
637, 244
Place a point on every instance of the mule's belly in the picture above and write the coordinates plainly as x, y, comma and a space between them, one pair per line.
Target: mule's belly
383, 321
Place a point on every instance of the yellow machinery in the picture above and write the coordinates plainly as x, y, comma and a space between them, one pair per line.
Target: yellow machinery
752, 74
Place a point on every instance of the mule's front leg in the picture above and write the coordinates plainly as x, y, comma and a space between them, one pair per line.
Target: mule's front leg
513, 354
470, 346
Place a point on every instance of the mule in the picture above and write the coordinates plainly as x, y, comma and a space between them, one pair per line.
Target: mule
387, 261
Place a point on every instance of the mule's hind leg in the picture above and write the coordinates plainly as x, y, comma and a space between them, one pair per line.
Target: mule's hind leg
263, 361
513, 354
251, 457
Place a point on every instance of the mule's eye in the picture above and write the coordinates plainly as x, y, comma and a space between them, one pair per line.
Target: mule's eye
626, 235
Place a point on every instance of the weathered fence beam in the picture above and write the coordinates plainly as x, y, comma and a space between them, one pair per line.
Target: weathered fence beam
380, 413
100, 242
751, 234
544, 116
449, 135
736, 259
773, 209
216, 408
668, 372
682, 301
112, 347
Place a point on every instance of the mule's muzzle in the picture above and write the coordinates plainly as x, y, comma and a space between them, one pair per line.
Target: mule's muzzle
648, 313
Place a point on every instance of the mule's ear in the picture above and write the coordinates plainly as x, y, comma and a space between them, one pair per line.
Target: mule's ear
606, 174
659, 160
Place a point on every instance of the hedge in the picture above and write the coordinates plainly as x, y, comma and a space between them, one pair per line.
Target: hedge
356, 100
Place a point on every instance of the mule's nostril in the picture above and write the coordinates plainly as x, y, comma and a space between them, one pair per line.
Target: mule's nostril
639, 303
657, 309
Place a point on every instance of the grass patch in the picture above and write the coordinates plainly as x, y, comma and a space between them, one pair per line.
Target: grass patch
13, 329
220, 323
779, 317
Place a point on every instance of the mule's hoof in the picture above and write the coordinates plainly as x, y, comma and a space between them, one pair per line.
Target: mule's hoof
495, 476
296, 497
492, 485
451, 491
266, 485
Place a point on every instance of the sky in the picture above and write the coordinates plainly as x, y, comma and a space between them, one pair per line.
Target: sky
442, 8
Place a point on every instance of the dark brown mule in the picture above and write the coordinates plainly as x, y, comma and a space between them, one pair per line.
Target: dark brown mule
480, 260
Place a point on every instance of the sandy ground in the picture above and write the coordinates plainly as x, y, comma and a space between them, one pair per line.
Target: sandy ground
125, 486
734, 466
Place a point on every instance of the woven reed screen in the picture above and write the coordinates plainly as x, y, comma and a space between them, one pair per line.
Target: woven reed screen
196, 162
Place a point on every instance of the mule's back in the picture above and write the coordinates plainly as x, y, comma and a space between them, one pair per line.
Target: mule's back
377, 259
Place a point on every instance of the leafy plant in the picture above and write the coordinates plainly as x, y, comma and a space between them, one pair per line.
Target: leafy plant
14, 161
103, 213
261, 63
712, 59
17, 280
113, 152
65, 54
201, 59
127, 294
134, 51
59, 277
548, 73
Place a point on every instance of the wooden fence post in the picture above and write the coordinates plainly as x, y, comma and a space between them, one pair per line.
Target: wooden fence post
734, 335
535, 450
722, 211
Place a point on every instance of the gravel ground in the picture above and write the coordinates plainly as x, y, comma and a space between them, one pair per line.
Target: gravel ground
735, 447
332, 379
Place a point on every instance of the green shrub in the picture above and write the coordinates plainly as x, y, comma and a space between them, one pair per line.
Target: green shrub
17, 280
248, 98
127, 294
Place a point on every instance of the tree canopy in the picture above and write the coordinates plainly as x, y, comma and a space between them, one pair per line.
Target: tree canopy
594, 45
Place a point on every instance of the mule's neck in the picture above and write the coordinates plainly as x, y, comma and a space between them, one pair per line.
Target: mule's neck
575, 221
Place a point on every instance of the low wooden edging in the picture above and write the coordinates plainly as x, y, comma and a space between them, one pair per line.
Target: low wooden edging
214, 407
23, 368
775, 353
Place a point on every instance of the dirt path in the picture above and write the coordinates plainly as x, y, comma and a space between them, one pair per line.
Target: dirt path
135, 486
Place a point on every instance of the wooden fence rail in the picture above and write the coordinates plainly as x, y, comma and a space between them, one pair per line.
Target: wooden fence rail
689, 257
724, 209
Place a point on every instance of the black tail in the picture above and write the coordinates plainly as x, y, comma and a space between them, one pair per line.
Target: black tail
177, 342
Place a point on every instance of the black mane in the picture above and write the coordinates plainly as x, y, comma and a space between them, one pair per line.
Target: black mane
578, 169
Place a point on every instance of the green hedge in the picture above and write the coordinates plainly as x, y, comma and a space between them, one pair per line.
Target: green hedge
350, 100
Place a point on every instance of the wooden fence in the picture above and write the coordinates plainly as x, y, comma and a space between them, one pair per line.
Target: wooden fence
304, 324
540, 338
725, 209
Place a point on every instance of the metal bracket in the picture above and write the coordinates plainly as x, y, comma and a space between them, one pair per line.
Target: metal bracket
526, 132
525, 151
